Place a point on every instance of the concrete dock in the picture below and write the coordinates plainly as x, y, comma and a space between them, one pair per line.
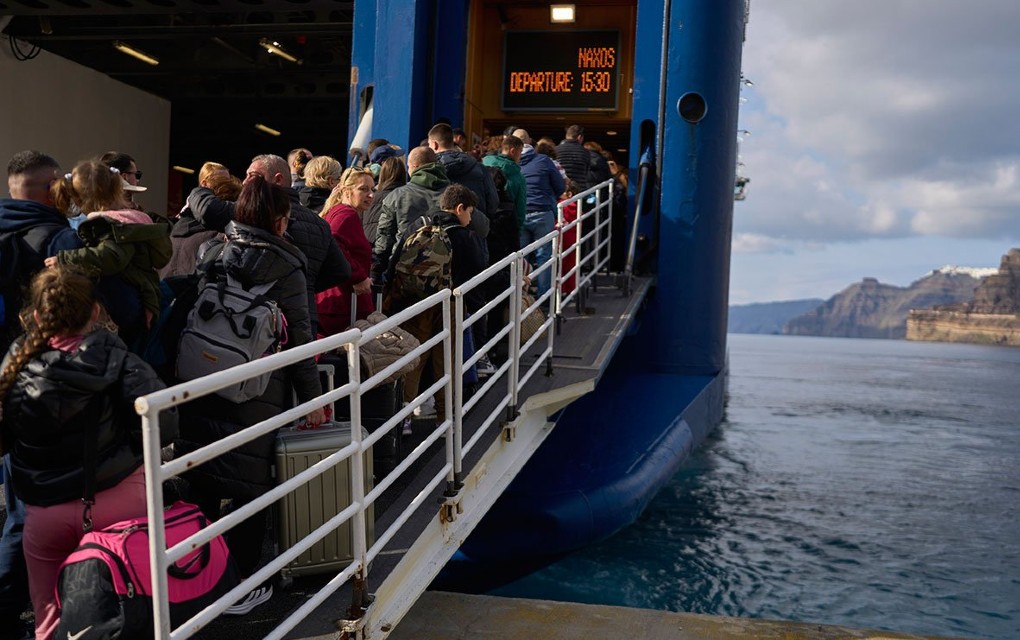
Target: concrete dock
455, 616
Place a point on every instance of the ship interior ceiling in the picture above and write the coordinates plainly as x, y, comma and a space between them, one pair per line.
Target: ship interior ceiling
211, 67
221, 81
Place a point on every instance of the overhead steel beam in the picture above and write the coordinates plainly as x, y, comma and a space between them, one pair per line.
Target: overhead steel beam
167, 32
159, 7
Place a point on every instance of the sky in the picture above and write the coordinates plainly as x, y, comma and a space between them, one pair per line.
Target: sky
884, 142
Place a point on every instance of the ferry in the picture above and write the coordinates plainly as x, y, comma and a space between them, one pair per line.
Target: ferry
595, 410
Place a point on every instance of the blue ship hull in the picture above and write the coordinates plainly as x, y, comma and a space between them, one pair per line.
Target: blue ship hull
592, 476
612, 450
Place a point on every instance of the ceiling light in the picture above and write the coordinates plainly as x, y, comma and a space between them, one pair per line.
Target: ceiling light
135, 53
274, 47
622, 150
186, 170
561, 13
266, 129
610, 133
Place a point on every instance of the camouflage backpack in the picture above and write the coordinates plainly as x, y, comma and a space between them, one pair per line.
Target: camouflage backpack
425, 263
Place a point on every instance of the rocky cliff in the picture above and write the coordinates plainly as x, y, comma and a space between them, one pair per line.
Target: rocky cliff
767, 317
992, 316
870, 309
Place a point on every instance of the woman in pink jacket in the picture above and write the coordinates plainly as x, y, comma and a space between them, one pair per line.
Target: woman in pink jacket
355, 193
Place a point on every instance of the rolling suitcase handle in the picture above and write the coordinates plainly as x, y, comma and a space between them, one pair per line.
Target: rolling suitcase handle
354, 306
330, 372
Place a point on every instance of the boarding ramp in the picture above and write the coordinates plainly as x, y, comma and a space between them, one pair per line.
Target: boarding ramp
429, 503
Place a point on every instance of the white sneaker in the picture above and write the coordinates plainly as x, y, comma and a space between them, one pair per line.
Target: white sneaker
484, 367
426, 409
260, 595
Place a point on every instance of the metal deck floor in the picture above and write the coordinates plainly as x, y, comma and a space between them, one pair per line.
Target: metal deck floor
582, 350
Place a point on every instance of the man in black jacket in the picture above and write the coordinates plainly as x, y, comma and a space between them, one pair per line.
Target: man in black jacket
327, 266
462, 168
28, 214
574, 158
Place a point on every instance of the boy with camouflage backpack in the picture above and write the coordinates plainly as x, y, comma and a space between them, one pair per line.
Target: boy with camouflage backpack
438, 252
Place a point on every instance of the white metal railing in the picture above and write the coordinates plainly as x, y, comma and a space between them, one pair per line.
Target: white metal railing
455, 322
590, 251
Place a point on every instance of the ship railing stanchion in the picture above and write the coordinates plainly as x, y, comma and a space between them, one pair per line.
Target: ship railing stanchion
554, 278
514, 350
598, 238
157, 528
359, 528
558, 256
578, 268
456, 407
609, 233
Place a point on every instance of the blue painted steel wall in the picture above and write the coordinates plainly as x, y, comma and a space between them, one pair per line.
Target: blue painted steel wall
647, 58
685, 329
450, 61
413, 52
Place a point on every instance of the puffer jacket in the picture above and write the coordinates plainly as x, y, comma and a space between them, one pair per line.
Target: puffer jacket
59, 399
252, 256
544, 181
462, 168
313, 197
127, 244
575, 160
325, 265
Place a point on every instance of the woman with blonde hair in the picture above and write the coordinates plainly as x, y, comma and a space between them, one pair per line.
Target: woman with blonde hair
321, 174
210, 170
356, 193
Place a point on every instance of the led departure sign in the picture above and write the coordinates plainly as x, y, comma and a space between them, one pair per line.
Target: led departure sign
561, 70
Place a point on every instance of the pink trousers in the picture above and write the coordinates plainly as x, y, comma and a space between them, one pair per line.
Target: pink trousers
52, 533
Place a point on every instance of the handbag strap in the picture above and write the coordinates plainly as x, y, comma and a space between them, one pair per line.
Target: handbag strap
90, 461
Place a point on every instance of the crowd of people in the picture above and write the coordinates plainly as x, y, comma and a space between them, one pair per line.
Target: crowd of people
93, 285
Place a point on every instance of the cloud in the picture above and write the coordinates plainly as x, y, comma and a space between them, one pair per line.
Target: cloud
880, 120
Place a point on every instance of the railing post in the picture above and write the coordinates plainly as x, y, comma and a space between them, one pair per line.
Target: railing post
598, 239
458, 390
609, 227
558, 255
555, 268
357, 465
452, 371
579, 242
157, 528
514, 348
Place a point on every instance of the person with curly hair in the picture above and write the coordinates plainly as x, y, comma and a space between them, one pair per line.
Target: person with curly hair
66, 387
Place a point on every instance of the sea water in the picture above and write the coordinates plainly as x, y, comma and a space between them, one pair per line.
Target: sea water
869, 483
